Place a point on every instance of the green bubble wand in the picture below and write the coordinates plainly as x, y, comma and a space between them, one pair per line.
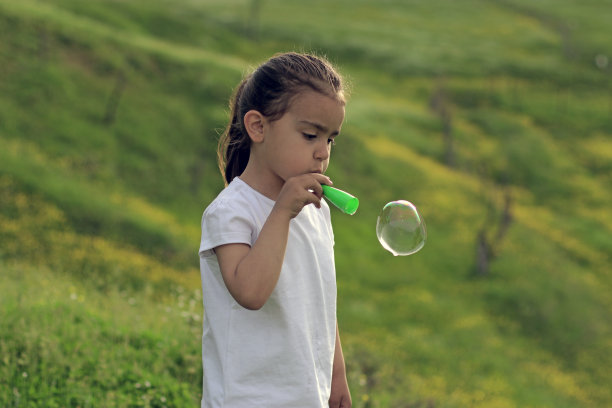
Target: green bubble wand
346, 202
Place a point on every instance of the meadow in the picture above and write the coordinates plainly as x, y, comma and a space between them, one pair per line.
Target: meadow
493, 117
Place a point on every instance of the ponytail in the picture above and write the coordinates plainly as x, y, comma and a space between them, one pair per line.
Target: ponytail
234, 146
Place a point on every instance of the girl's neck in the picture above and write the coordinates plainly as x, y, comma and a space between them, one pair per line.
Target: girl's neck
269, 185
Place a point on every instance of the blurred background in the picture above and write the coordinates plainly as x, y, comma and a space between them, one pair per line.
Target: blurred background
494, 117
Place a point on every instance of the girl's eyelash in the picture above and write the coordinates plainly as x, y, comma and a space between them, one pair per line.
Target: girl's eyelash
311, 136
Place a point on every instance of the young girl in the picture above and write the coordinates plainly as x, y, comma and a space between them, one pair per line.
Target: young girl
266, 256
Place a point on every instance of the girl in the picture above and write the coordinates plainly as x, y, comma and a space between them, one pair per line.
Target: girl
270, 337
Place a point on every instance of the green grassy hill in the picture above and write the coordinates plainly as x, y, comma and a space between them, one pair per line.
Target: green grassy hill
493, 117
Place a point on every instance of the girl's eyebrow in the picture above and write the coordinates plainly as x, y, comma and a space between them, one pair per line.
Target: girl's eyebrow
319, 127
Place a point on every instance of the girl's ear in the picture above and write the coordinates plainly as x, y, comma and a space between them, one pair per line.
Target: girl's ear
254, 125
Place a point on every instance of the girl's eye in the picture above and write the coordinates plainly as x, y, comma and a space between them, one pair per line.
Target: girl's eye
331, 142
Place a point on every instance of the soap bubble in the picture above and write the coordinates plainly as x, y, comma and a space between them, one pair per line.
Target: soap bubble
400, 228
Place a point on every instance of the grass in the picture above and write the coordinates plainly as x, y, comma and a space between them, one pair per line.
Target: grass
99, 217
65, 343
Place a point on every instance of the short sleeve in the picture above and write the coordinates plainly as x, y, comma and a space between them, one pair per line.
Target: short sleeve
224, 224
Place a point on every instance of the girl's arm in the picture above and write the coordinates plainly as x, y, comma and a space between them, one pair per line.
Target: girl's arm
340, 395
251, 273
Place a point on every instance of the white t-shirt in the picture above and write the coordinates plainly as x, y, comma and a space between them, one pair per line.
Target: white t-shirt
282, 354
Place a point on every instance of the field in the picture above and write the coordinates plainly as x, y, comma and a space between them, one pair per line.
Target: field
493, 117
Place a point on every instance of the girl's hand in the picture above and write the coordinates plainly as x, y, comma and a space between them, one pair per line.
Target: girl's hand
340, 396
300, 191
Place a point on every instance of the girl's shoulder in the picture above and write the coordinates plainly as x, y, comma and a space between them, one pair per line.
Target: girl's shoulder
228, 196
237, 196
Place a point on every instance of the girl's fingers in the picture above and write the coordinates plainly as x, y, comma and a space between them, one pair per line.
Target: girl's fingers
322, 179
319, 179
302, 190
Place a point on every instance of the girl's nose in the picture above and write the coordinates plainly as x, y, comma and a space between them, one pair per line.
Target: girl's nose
322, 151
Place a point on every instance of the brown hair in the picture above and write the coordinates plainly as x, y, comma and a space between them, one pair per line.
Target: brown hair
270, 90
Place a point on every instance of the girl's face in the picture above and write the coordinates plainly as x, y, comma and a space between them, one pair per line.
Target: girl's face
300, 141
